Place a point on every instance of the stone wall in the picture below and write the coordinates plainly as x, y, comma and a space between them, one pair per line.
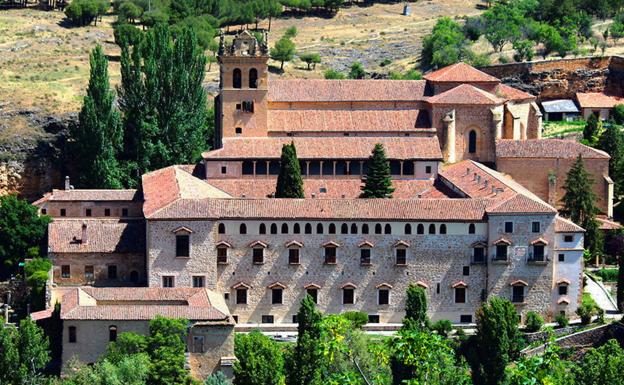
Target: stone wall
553, 79
126, 263
588, 338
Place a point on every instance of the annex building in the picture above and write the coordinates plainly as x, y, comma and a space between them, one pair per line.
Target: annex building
208, 242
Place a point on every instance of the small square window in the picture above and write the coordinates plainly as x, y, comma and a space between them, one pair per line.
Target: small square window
383, 297
63, 212
199, 281
239, 106
535, 227
71, 331
561, 258
226, 296
107, 212
563, 289
348, 296
89, 273
466, 270
167, 281
293, 256
258, 256
65, 271
277, 296
238, 130
222, 255
44, 211
373, 318
223, 170
427, 169
124, 212
508, 227
112, 271
465, 318
88, 212
568, 238
268, 319
241, 296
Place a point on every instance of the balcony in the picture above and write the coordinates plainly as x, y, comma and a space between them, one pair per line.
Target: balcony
537, 258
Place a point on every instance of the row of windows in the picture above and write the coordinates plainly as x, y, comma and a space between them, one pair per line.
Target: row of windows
89, 273
322, 167
372, 318
237, 78
88, 212
344, 229
72, 336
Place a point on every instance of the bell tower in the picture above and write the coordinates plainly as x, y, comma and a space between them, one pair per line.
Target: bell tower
241, 106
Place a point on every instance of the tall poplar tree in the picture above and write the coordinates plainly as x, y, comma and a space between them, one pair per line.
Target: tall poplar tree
305, 362
377, 183
415, 308
97, 137
289, 182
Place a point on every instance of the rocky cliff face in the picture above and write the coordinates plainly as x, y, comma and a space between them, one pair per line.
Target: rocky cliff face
32, 151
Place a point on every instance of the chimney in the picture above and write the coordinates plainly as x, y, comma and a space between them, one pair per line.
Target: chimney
67, 185
84, 239
467, 170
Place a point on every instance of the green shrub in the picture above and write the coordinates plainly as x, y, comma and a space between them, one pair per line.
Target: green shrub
607, 275
562, 321
587, 309
618, 113
443, 327
333, 74
534, 322
357, 318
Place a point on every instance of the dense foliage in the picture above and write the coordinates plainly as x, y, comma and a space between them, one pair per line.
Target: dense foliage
260, 360
289, 181
23, 353
377, 182
415, 308
304, 364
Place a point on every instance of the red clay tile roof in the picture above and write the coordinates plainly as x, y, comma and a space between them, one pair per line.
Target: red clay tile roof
563, 225
460, 72
261, 187
466, 94
597, 100
607, 224
103, 236
318, 209
344, 147
510, 93
546, 148
345, 120
140, 303
82, 195
320, 90
521, 204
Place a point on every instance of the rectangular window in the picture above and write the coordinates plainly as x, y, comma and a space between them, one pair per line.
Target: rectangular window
373, 318
277, 295
568, 238
479, 255
427, 169
365, 256
383, 297
563, 289
199, 281
89, 273
348, 296
65, 271
124, 212
438, 288
241, 296
293, 256
517, 294
226, 296
167, 281
63, 212
198, 344
239, 106
330, 255
44, 211
460, 295
223, 170
107, 212
88, 212
248, 106
466, 270
465, 318
71, 331
222, 255
538, 253
258, 256
561, 258
183, 247
112, 271
508, 227
401, 257
501, 252
314, 294
268, 319
535, 227
295, 320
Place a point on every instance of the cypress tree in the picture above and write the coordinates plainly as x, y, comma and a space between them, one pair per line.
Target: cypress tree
304, 364
289, 182
415, 308
611, 142
377, 183
97, 136
592, 129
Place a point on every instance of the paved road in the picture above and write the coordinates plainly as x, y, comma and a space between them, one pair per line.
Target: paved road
601, 295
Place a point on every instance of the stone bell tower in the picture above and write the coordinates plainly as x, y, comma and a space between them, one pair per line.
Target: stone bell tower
241, 107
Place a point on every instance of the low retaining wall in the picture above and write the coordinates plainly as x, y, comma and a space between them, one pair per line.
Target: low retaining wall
587, 338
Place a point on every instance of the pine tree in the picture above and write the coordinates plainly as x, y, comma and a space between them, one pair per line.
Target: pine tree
377, 183
592, 130
97, 136
415, 308
611, 142
289, 182
304, 364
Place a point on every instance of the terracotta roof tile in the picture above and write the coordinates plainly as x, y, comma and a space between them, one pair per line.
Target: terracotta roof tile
597, 100
510, 93
319, 90
103, 236
81, 195
345, 147
460, 72
563, 225
311, 120
521, 204
607, 224
466, 94
546, 148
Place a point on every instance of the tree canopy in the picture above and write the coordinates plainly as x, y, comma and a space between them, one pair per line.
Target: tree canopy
377, 183
289, 182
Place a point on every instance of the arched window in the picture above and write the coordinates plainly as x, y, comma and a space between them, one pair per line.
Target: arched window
472, 141
420, 229
242, 228
284, 228
319, 228
344, 229
442, 229
432, 229
296, 228
332, 228
387, 229
308, 228
221, 228
353, 228
471, 228
112, 333
253, 78
273, 228
378, 228
237, 78
365, 228
262, 228
408, 229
